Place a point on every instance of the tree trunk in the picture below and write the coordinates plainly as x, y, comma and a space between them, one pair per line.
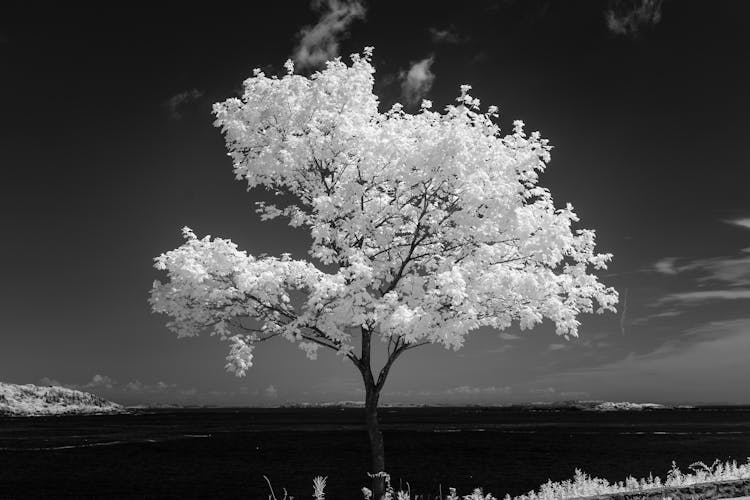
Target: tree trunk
372, 395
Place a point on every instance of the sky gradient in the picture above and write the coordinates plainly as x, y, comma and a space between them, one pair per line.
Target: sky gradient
107, 150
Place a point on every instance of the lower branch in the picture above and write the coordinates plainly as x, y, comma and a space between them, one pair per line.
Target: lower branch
401, 348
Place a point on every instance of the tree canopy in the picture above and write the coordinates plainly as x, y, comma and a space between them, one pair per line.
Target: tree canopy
423, 227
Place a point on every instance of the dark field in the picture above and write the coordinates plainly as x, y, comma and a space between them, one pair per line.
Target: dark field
224, 453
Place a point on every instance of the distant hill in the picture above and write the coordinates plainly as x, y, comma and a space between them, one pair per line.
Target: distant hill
621, 406
553, 405
595, 406
34, 400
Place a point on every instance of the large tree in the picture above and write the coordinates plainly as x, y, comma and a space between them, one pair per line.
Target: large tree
423, 227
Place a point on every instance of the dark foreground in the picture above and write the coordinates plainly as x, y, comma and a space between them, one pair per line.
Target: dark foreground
225, 453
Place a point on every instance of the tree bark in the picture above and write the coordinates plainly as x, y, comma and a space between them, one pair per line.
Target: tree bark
372, 395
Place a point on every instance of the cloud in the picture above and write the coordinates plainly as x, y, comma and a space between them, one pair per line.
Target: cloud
597, 341
271, 392
624, 313
320, 43
575, 395
500, 349
138, 386
339, 386
557, 347
711, 280
100, 381
446, 35
508, 336
666, 265
702, 296
743, 222
632, 17
453, 393
178, 101
545, 391
135, 386
97, 382
704, 363
417, 82
730, 270
669, 313
466, 390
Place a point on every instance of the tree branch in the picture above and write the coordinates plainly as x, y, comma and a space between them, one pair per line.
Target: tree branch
400, 349
414, 243
364, 364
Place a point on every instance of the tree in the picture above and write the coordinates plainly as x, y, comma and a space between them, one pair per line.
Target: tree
424, 227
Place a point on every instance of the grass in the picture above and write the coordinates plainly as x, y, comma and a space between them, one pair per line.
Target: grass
581, 485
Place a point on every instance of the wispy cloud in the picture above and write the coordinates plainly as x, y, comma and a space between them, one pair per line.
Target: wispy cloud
557, 347
704, 363
742, 222
595, 340
666, 265
98, 381
734, 271
703, 296
508, 336
499, 350
703, 282
669, 313
446, 35
320, 42
102, 381
177, 102
575, 395
418, 80
271, 392
632, 17
338, 386
455, 393
138, 386
544, 391
729, 270
468, 390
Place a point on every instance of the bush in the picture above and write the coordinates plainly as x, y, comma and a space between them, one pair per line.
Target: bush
582, 485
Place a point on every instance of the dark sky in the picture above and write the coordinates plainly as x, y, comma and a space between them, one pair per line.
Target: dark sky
107, 149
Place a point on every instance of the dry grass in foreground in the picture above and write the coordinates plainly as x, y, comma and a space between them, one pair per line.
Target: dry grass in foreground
582, 485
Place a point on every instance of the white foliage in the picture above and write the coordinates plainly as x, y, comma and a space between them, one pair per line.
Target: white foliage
434, 223
319, 486
582, 485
